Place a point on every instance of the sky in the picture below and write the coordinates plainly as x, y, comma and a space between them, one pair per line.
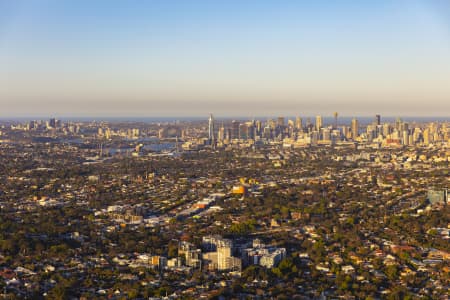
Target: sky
169, 58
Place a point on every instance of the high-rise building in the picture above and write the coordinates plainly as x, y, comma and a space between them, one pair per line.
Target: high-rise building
235, 129
377, 120
191, 254
371, 132
290, 123
267, 132
52, 123
243, 131
162, 133
427, 137
223, 254
404, 127
315, 136
417, 133
398, 124
386, 129
270, 260
346, 132
271, 123
228, 133
258, 125
405, 137
298, 123
355, 128
251, 129
280, 121
326, 134
211, 137
335, 115
318, 123
222, 257
221, 133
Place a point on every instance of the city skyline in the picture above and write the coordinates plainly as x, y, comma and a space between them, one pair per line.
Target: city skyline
178, 59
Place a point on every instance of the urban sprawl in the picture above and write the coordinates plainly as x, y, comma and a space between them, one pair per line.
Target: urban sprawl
225, 209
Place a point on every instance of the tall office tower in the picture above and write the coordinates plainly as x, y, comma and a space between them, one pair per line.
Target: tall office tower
254, 133
426, 136
346, 132
290, 130
228, 133
272, 124
371, 132
386, 129
32, 125
437, 137
108, 133
326, 134
243, 131
417, 133
162, 133
405, 138
280, 121
335, 135
298, 123
318, 122
258, 125
398, 124
267, 132
395, 135
335, 115
315, 137
445, 132
223, 253
221, 133
52, 123
355, 128
404, 126
235, 129
291, 123
253, 129
211, 130
433, 128
377, 120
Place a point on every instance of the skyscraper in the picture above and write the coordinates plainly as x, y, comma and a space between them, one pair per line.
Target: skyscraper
355, 128
280, 121
335, 115
298, 123
243, 131
211, 137
398, 124
221, 134
258, 125
318, 122
235, 129
326, 134
377, 120
223, 254
52, 123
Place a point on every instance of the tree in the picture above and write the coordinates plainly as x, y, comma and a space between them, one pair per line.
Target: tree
392, 272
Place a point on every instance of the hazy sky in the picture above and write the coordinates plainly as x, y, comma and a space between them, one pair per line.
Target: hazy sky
231, 57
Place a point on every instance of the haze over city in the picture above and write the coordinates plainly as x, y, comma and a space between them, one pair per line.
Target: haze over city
233, 58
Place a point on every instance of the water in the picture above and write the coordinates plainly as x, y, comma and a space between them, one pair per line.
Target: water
327, 120
160, 147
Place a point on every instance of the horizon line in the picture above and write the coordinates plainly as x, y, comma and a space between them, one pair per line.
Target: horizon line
199, 117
